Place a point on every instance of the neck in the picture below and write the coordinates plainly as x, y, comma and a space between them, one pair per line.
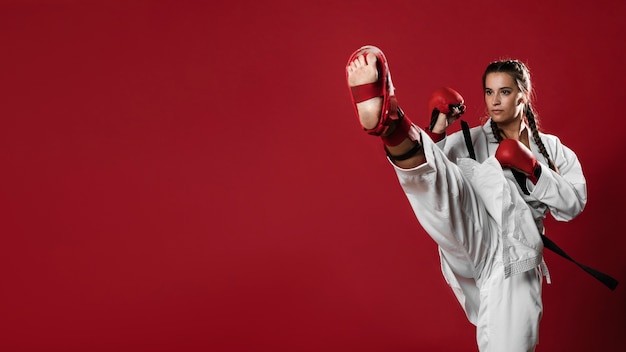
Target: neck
512, 129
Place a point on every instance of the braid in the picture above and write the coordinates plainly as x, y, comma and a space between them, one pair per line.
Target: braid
530, 116
496, 131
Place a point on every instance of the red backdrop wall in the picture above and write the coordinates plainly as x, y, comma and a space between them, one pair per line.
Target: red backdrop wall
190, 175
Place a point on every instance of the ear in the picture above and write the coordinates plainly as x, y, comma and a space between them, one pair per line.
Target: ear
522, 100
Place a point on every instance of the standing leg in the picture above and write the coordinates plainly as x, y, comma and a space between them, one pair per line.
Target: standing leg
510, 312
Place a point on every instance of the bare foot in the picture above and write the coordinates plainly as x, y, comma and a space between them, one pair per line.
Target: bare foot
363, 71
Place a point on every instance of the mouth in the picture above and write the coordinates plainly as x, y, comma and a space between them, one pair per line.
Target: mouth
496, 111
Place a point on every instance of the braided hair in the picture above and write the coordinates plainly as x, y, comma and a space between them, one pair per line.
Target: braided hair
521, 74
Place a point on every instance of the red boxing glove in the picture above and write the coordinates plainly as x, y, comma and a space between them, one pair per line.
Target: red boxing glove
447, 101
513, 154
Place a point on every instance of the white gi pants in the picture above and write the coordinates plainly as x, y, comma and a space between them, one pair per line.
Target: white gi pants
469, 210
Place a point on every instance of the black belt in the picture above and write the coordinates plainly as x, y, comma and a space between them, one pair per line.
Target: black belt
605, 279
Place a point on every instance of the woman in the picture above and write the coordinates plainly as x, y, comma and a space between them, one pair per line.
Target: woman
485, 212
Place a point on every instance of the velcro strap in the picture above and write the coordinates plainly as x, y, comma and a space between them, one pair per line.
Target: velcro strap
416, 148
401, 131
367, 91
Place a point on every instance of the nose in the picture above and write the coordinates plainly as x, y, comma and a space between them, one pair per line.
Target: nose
495, 99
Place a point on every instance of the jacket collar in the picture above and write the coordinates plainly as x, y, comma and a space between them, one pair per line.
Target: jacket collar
491, 138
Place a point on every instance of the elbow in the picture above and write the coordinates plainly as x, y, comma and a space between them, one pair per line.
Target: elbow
569, 212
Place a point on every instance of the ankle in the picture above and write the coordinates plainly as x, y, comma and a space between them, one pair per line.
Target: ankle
398, 130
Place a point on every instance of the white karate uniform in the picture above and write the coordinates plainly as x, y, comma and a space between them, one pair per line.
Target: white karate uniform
488, 231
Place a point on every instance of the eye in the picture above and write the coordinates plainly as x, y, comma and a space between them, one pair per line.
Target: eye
488, 92
506, 92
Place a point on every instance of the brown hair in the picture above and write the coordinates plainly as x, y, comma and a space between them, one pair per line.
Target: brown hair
521, 74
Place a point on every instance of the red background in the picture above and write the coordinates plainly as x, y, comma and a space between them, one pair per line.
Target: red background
190, 175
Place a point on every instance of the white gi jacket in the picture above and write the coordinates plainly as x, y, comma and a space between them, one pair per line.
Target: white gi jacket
564, 193
478, 214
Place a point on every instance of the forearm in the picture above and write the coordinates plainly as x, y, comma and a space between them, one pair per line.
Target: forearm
564, 195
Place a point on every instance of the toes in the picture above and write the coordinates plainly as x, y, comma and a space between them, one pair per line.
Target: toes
360, 61
355, 64
371, 59
362, 69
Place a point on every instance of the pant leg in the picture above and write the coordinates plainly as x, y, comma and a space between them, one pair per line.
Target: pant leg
450, 211
510, 311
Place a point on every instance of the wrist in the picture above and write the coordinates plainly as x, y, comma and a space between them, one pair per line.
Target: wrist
436, 137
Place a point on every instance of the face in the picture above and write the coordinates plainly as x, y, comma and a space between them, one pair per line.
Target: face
503, 98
